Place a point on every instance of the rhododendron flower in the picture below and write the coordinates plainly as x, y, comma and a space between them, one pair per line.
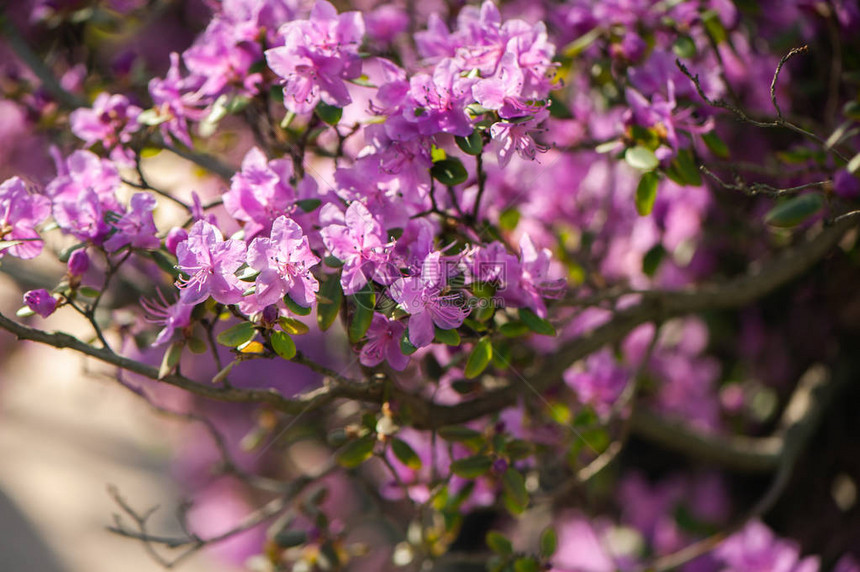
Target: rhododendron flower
136, 227
175, 103
284, 261
361, 245
111, 121
79, 262
211, 263
171, 316
511, 137
317, 56
534, 283
41, 302
383, 343
260, 192
438, 102
20, 212
425, 298
757, 549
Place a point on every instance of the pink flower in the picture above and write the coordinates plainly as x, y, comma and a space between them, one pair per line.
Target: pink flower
211, 263
284, 261
20, 213
383, 343
40, 301
317, 56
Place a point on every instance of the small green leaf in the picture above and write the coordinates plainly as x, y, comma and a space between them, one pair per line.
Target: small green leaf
472, 145
225, 371
685, 167
472, 467
437, 154
514, 486
684, 47
405, 454
88, 292
283, 345
479, 359
170, 359
652, 259
328, 113
329, 300
356, 452
535, 323
498, 543
526, 564
67, 252
151, 117
295, 307
308, 205
853, 166
25, 312
716, 145
293, 326
165, 262
460, 434
449, 171
362, 316
290, 538
714, 27
501, 356
646, 193
237, 335
197, 346
641, 158
794, 211
406, 346
509, 219
548, 542
514, 329
580, 44
447, 337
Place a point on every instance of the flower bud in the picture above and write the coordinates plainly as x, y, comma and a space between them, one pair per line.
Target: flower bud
174, 237
79, 262
41, 302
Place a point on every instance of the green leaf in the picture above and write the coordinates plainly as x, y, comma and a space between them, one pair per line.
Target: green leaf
447, 337
237, 335
514, 329
580, 44
406, 346
88, 292
164, 261
646, 193
685, 167
283, 345
472, 145
405, 454
501, 356
641, 158
328, 301
460, 434
526, 564
197, 346
514, 487
449, 171
479, 359
170, 359
225, 371
151, 117
290, 538
714, 27
363, 80
535, 323
794, 211
684, 47
498, 543
362, 316
472, 467
67, 252
293, 326
437, 154
356, 452
652, 259
716, 145
509, 219
295, 307
548, 542
308, 205
854, 164
328, 113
